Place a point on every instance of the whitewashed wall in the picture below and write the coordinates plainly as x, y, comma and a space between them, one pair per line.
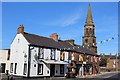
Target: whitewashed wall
18, 50
46, 67
3, 58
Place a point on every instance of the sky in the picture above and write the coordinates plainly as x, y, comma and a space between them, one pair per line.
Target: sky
67, 19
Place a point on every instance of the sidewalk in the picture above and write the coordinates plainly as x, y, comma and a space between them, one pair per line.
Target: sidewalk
96, 75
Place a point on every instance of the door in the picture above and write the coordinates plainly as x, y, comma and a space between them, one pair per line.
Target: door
52, 70
79, 69
3, 67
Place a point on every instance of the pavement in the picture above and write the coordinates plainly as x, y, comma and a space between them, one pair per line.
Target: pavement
101, 76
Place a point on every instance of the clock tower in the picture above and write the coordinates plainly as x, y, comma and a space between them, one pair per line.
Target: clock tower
89, 35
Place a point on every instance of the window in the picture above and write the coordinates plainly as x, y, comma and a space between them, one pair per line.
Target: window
72, 56
11, 68
62, 54
52, 54
62, 69
86, 28
93, 41
41, 53
40, 69
15, 68
25, 69
80, 58
86, 40
18, 40
90, 29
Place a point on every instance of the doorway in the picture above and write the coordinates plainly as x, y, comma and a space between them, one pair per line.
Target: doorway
52, 70
2, 67
79, 70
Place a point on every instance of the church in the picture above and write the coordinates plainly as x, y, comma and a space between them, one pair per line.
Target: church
37, 56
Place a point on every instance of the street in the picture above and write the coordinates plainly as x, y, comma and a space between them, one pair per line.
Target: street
102, 76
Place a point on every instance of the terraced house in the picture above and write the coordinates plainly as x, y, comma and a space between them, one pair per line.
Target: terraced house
37, 56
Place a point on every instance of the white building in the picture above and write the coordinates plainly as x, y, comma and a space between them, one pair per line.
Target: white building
37, 56
4, 60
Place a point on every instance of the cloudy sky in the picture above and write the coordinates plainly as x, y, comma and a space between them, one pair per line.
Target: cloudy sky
65, 18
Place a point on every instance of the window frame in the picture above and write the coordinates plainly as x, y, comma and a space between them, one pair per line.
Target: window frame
53, 54
25, 69
41, 53
41, 65
61, 66
86, 40
15, 68
11, 68
63, 55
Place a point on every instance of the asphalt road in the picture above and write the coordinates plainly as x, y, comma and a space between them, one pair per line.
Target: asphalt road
103, 76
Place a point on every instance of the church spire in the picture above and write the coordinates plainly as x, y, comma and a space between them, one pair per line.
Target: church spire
89, 16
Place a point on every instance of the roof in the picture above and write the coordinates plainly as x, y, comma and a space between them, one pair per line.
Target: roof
89, 16
115, 57
51, 43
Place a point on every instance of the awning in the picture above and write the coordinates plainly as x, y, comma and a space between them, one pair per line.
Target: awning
54, 62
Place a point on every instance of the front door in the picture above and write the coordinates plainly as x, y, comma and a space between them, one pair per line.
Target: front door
3, 67
52, 70
79, 69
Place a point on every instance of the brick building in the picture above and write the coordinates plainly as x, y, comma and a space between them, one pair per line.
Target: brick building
85, 61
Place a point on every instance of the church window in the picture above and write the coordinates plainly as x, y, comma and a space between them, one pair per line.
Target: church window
93, 41
90, 29
86, 40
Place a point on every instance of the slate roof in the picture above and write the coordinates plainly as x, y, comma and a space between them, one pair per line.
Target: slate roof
48, 42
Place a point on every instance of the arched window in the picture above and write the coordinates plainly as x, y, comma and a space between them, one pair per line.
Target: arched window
90, 29
86, 40
86, 28
93, 41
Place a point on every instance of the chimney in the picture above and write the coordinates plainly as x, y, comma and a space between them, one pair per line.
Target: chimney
71, 41
54, 36
20, 29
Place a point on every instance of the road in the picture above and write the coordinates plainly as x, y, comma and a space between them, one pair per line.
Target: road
103, 76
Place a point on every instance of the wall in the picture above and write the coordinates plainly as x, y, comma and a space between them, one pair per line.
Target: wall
19, 48
3, 58
46, 67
